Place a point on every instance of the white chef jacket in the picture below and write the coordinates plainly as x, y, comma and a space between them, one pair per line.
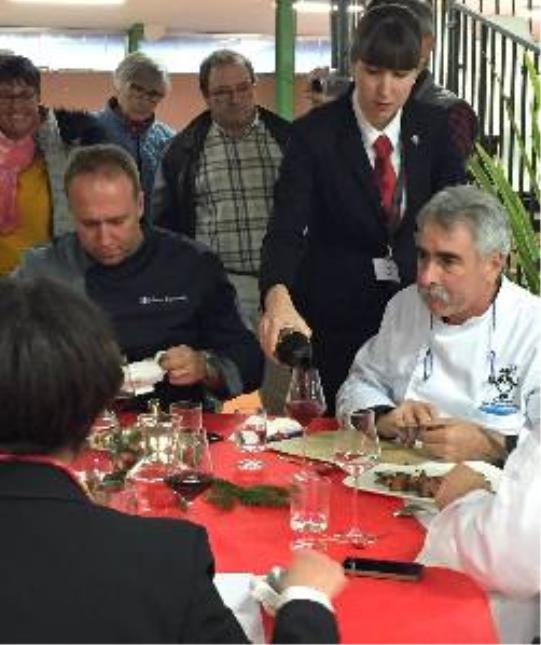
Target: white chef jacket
496, 539
485, 370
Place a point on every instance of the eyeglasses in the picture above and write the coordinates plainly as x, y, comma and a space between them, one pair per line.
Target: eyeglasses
223, 94
142, 93
21, 98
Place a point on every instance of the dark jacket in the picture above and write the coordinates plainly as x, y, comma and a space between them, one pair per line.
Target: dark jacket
328, 225
75, 572
171, 291
463, 122
173, 203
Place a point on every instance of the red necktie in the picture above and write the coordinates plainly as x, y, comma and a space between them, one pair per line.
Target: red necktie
384, 173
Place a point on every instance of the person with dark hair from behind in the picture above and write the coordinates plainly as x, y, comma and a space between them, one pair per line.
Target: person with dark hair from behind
463, 122
73, 571
34, 145
340, 241
168, 297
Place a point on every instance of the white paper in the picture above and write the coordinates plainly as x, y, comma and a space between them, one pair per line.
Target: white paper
234, 589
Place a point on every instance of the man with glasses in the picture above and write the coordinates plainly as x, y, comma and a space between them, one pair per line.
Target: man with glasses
129, 115
216, 179
34, 143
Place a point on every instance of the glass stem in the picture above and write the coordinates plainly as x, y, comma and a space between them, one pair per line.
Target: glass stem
354, 509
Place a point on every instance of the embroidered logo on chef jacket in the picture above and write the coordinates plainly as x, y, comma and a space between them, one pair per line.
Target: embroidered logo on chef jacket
153, 300
503, 386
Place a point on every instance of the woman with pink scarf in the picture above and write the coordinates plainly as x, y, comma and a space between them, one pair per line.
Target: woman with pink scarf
34, 144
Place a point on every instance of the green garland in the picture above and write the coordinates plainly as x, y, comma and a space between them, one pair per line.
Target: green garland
225, 495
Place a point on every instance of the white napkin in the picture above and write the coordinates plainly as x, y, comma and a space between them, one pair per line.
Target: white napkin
264, 593
283, 428
141, 376
234, 589
280, 428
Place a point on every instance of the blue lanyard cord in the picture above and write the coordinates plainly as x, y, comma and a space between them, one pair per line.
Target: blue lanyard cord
428, 360
491, 352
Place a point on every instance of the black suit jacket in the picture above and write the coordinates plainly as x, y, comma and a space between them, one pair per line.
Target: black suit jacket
327, 224
75, 572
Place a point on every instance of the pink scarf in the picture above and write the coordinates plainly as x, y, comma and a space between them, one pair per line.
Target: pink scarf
15, 156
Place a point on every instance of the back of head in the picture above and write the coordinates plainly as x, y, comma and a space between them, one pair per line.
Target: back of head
218, 58
421, 9
389, 37
101, 159
19, 70
59, 366
142, 70
479, 211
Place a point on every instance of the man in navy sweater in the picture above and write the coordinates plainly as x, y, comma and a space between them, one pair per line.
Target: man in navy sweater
162, 292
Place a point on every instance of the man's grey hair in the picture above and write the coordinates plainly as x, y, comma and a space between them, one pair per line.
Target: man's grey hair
422, 10
140, 68
218, 58
482, 213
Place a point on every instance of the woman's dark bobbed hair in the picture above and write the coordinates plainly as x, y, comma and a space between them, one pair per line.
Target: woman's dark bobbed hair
389, 37
59, 366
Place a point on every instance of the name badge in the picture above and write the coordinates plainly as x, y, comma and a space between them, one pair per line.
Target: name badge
386, 270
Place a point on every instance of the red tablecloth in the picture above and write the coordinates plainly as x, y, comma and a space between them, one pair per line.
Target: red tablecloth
443, 607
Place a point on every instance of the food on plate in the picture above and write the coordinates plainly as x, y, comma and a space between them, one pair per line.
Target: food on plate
417, 483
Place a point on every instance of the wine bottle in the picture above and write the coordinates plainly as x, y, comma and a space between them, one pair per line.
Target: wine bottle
294, 349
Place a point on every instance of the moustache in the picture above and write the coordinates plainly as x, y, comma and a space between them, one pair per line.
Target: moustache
435, 292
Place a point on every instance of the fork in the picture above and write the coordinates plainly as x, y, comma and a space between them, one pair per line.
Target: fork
409, 510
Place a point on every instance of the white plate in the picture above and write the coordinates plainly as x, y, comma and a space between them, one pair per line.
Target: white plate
367, 481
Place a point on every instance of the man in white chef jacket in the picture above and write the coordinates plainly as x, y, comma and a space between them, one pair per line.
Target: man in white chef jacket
455, 362
495, 538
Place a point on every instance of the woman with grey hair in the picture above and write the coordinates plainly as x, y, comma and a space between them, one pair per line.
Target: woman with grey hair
139, 85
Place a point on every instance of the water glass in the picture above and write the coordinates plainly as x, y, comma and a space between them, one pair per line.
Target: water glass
309, 509
186, 415
106, 421
250, 436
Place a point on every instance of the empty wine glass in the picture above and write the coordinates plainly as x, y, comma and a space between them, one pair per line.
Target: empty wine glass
148, 475
305, 399
356, 449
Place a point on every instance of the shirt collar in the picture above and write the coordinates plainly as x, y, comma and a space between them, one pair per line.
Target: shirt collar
245, 132
369, 132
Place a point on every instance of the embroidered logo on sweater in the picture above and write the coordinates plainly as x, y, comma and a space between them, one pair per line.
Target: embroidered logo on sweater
152, 300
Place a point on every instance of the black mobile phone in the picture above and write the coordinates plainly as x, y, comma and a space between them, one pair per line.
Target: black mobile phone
383, 568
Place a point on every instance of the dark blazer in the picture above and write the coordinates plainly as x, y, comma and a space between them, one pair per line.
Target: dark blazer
75, 572
328, 225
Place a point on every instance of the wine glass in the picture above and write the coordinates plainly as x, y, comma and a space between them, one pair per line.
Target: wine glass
148, 475
356, 449
305, 399
250, 436
192, 474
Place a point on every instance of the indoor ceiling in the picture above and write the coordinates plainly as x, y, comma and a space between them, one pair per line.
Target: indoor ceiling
211, 16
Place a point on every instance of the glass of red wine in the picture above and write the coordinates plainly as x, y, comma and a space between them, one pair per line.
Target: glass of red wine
305, 400
192, 473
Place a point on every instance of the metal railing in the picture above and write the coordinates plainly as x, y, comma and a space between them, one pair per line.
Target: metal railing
483, 62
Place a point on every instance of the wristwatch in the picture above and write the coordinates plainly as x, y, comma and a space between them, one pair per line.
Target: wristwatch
212, 378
